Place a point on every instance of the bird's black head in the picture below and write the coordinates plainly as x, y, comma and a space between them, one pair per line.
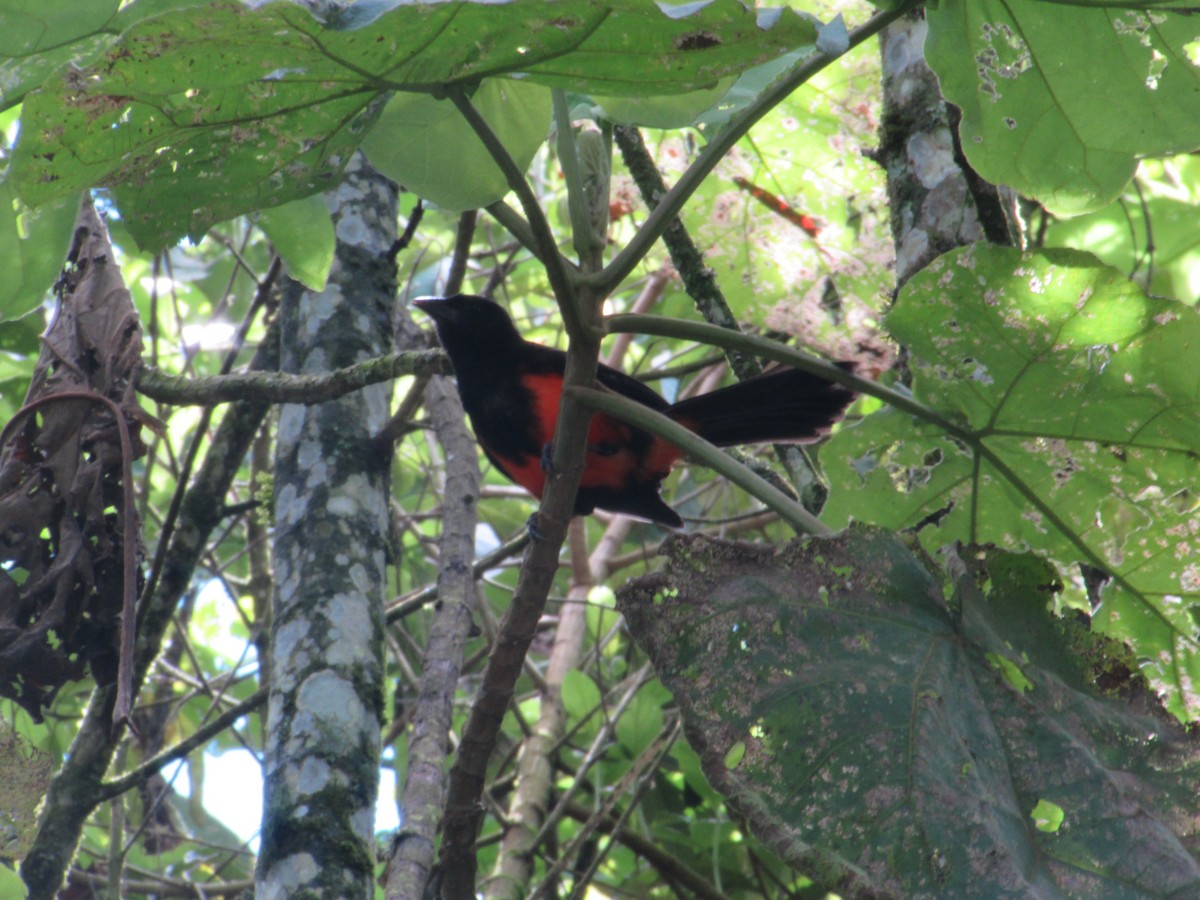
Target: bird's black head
467, 324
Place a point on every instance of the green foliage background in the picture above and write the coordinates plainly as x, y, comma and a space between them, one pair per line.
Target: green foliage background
1049, 422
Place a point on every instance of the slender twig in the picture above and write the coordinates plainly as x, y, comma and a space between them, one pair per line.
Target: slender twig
282, 387
665, 862
599, 746
702, 332
637, 782
201, 736
200, 435
633, 782
647, 297
410, 231
462, 252
411, 604
517, 227
401, 421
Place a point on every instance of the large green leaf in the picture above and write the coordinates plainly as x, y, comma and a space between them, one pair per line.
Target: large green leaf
667, 111
33, 245
1122, 4
619, 47
33, 28
1060, 101
11, 884
200, 114
1150, 232
427, 146
1071, 428
188, 144
893, 747
39, 38
302, 234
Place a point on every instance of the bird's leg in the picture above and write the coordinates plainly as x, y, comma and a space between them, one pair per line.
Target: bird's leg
548, 457
531, 526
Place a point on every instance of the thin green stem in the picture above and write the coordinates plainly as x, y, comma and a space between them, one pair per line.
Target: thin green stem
558, 270
716, 336
645, 418
568, 158
516, 226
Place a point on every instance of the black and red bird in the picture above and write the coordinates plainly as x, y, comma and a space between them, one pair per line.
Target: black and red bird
511, 387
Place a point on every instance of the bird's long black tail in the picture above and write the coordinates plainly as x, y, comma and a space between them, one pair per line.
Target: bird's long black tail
784, 405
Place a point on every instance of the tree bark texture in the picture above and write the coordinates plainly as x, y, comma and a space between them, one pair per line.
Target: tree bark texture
424, 794
331, 493
933, 209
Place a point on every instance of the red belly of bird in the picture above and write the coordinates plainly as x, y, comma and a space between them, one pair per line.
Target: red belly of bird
609, 462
